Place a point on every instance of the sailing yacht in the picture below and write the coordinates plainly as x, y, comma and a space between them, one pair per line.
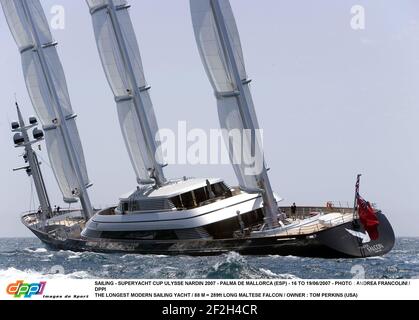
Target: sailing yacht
171, 216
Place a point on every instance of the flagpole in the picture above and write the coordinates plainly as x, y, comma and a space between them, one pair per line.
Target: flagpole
358, 178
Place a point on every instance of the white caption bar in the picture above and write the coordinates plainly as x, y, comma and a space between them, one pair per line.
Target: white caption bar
35, 289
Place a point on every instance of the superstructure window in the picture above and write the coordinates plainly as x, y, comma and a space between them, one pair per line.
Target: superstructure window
124, 206
201, 197
220, 189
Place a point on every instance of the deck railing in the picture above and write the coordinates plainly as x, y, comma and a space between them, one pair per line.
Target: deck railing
309, 229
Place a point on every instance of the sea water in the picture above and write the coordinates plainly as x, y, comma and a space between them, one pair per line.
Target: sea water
23, 257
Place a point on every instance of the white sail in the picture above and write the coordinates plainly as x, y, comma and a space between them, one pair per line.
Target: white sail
114, 33
219, 45
47, 94
218, 70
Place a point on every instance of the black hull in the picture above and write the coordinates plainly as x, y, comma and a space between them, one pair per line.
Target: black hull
336, 242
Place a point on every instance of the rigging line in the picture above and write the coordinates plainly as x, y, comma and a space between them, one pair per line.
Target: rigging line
9, 120
34, 198
31, 200
7, 113
43, 160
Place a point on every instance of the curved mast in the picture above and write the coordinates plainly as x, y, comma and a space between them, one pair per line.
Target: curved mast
269, 202
139, 103
46, 84
83, 196
34, 169
226, 70
150, 171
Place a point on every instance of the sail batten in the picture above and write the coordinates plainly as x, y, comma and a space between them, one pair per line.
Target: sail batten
121, 60
47, 87
220, 48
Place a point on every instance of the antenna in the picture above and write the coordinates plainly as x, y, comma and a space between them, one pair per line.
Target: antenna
21, 139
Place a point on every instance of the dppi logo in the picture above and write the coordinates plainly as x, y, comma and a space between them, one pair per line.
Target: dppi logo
26, 290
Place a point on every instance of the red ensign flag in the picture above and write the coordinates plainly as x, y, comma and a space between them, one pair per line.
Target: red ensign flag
368, 218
